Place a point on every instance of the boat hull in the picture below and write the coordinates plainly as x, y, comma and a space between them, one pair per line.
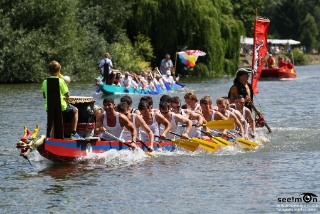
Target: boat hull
278, 73
59, 150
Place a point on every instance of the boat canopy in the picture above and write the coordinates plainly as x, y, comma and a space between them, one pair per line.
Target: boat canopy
249, 41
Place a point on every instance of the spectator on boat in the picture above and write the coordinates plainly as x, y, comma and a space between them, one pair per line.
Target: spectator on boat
126, 81
166, 64
174, 120
168, 78
68, 110
282, 63
127, 99
245, 112
113, 122
153, 120
289, 64
271, 61
222, 108
242, 87
138, 123
196, 118
106, 64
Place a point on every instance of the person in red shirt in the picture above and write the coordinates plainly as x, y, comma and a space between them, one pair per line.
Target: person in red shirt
290, 65
282, 63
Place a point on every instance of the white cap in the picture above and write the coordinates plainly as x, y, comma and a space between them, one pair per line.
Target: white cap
168, 72
270, 54
66, 79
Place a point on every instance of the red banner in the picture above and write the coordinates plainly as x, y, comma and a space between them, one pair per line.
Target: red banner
260, 48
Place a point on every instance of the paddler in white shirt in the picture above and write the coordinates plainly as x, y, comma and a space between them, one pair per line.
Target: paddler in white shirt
113, 122
245, 112
210, 114
137, 121
168, 78
153, 120
222, 108
196, 118
174, 119
191, 100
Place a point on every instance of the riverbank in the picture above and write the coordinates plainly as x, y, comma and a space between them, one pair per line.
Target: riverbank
246, 61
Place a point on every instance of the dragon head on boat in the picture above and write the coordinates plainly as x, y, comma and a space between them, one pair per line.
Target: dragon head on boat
29, 142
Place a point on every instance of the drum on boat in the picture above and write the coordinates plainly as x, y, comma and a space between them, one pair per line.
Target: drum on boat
86, 119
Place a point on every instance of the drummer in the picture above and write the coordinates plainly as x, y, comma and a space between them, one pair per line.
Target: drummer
112, 122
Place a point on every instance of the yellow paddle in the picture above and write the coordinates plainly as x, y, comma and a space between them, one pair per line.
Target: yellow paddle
202, 143
186, 144
220, 124
245, 143
218, 140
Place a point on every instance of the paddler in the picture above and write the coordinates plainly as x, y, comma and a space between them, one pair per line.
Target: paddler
113, 122
196, 118
222, 108
138, 123
242, 87
153, 119
175, 120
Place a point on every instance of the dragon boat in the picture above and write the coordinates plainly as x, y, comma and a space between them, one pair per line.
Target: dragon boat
113, 89
55, 145
278, 73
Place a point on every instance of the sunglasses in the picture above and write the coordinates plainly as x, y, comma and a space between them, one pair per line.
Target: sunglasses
240, 103
175, 106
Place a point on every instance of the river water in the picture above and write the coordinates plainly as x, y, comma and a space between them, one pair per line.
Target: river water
232, 180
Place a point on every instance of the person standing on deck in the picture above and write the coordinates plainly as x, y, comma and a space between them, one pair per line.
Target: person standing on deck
166, 64
68, 110
113, 122
103, 64
242, 87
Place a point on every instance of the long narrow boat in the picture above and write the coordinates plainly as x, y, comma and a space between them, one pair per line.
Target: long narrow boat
278, 73
59, 148
113, 89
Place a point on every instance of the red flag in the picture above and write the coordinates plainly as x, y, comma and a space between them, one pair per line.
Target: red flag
260, 48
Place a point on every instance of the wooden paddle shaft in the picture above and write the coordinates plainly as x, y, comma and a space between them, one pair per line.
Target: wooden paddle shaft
258, 113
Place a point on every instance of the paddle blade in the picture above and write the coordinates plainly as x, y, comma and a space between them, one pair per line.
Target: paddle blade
220, 124
206, 144
222, 142
186, 144
247, 143
149, 154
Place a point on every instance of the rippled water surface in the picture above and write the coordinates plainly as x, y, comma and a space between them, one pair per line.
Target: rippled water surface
232, 180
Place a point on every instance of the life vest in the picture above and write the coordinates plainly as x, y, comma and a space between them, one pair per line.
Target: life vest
242, 90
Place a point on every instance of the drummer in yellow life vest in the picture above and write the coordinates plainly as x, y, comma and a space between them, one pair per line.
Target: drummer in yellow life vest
271, 61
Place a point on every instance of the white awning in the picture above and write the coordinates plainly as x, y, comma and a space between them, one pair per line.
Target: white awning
249, 41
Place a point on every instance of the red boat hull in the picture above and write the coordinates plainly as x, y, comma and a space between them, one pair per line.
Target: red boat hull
70, 150
278, 73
